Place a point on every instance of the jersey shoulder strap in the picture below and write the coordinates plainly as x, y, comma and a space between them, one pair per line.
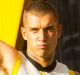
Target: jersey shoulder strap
16, 65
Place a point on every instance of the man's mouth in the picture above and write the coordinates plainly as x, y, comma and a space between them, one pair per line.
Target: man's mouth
42, 46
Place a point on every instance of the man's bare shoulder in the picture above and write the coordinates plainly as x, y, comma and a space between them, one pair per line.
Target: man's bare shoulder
8, 56
8, 50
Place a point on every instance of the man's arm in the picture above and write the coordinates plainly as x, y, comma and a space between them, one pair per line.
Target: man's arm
7, 57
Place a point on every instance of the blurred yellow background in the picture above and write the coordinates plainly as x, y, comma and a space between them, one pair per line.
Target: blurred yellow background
10, 16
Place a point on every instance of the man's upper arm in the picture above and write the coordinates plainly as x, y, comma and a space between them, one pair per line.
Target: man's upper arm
8, 56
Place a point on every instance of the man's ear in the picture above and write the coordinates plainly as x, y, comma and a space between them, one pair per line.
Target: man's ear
23, 32
59, 30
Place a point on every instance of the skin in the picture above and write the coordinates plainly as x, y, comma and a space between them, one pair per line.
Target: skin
7, 58
41, 33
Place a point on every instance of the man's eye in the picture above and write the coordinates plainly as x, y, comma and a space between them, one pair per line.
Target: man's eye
50, 28
34, 30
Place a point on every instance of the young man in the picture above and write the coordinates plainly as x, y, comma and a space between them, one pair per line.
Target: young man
41, 29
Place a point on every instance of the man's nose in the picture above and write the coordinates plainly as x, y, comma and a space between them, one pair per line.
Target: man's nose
42, 35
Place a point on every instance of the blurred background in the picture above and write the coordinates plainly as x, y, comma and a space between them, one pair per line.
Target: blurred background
68, 49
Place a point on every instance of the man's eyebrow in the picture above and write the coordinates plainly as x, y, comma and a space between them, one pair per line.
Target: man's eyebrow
31, 28
47, 27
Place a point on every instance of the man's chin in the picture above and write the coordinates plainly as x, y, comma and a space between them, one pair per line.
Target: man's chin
42, 53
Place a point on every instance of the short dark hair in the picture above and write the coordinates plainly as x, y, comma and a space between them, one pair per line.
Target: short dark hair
41, 6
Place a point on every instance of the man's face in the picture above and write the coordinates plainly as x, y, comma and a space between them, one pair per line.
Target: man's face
41, 33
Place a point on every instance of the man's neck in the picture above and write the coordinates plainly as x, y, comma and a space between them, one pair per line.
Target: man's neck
49, 68
43, 61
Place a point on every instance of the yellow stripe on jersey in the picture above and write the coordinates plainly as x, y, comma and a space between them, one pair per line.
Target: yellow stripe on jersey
42, 73
71, 72
16, 65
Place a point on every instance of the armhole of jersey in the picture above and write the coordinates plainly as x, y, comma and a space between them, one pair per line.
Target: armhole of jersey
16, 65
71, 72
